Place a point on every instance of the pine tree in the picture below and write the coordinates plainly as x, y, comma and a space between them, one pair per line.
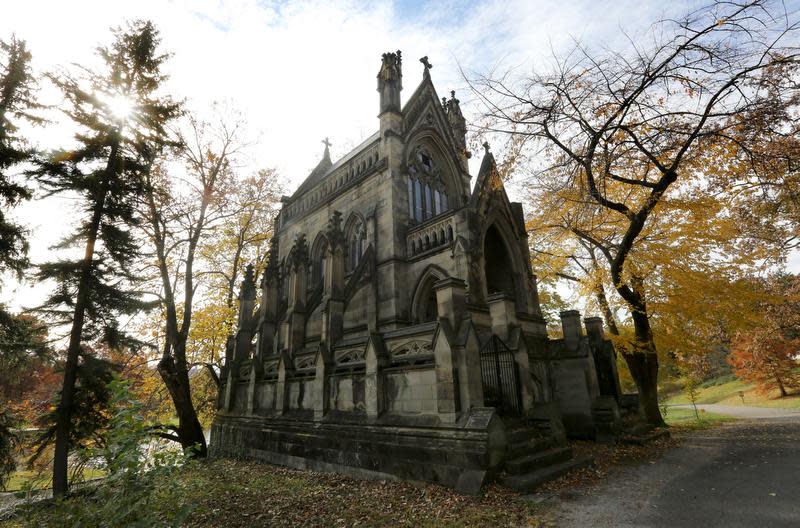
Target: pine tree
121, 116
17, 102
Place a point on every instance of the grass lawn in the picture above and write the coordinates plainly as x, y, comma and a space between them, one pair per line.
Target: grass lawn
728, 394
39, 481
686, 418
245, 494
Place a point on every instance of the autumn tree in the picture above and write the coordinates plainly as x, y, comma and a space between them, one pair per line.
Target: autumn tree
767, 359
121, 116
240, 239
769, 355
623, 130
180, 213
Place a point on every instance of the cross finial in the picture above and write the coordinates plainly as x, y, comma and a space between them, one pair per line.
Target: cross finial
425, 62
326, 143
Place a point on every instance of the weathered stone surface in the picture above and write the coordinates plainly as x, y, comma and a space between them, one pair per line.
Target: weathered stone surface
387, 281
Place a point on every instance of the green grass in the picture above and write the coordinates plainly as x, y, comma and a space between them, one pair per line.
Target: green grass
37, 481
687, 419
727, 393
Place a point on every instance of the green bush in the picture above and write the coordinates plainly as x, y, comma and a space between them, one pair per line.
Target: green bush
8, 443
135, 463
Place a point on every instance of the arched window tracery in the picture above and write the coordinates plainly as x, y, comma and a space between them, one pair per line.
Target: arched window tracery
356, 236
427, 192
319, 253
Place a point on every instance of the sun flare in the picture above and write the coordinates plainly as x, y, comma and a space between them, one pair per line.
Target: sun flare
120, 106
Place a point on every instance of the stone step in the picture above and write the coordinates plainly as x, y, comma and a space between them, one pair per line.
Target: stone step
522, 434
532, 445
534, 479
538, 460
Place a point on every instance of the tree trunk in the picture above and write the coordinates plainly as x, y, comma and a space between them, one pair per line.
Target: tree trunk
64, 410
176, 379
643, 365
781, 387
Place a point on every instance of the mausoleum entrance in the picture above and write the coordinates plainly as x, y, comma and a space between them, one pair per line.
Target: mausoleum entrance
497, 264
500, 378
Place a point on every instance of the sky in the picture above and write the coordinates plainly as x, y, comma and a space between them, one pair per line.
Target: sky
303, 71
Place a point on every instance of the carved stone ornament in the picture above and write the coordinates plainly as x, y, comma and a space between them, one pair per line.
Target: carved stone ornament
305, 362
248, 290
353, 355
391, 67
271, 368
300, 252
412, 348
334, 234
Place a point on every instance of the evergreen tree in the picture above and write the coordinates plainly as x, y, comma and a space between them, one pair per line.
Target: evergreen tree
17, 102
121, 115
17, 334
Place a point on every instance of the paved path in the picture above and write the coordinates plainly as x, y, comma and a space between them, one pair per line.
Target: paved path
744, 411
742, 474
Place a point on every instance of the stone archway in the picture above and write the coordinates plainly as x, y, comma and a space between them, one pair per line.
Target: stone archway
498, 269
424, 307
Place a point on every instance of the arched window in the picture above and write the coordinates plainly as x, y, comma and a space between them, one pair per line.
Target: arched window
356, 237
319, 252
427, 191
424, 302
284, 281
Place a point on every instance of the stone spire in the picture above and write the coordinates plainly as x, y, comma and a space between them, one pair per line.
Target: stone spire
426, 74
390, 82
334, 232
248, 289
457, 122
272, 269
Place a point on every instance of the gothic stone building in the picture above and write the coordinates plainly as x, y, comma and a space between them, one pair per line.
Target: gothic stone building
398, 332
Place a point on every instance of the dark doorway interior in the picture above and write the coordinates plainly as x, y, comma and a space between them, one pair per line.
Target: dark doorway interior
498, 270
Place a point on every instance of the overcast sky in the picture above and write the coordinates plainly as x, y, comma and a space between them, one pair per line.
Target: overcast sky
301, 71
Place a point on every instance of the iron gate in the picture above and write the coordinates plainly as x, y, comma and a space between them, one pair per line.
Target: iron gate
500, 378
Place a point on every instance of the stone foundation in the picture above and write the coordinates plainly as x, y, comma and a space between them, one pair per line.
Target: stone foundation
461, 457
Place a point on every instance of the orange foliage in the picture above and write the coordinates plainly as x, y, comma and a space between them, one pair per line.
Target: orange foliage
767, 359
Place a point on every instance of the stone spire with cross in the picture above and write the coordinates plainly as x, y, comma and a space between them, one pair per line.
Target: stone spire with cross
426, 63
327, 153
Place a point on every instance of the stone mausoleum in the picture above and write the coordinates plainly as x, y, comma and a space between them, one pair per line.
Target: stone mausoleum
397, 333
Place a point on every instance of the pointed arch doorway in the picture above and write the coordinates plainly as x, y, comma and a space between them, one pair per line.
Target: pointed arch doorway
498, 270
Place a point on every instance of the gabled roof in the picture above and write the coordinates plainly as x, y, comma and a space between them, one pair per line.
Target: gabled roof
488, 178
325, 167
488, 186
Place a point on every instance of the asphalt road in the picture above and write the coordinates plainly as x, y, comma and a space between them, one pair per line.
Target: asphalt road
743, 474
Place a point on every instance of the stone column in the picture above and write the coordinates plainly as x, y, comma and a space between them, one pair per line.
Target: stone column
267, 326
376, 359
571, 327
460, 361
451, 300
247, 302
333, 296
285, 369
605, 358
297, 295
321, 399
502, 310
